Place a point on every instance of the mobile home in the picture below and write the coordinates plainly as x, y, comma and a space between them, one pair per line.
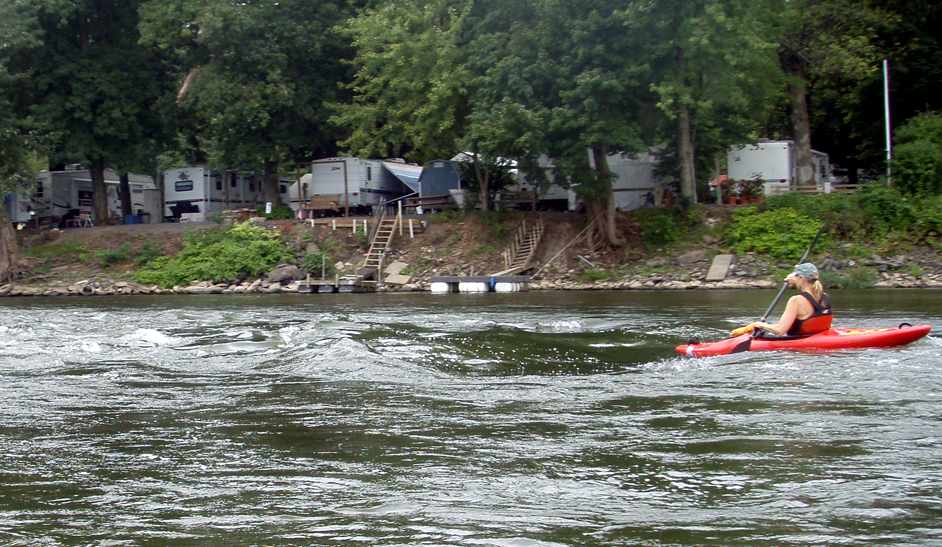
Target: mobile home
199, 192
17, 207
66, 193
358, 184
774, 163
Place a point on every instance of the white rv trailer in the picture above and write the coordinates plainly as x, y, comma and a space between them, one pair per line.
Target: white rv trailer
295, 193
354, 183
18, 207
634, 178
774, 163
200, 191
69, 192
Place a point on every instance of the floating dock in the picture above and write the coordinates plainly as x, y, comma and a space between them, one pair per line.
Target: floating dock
478, 284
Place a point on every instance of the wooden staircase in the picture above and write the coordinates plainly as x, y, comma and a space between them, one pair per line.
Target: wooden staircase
519, 255
382, 239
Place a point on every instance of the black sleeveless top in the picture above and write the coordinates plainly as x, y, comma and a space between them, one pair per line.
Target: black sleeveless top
819, 321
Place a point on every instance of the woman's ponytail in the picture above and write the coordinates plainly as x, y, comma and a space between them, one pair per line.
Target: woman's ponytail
817, 289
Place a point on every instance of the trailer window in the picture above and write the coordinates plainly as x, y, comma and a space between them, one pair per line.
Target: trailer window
232, 180
251, 186
183, 186
369, 173
218, 184
39, 189
282, 189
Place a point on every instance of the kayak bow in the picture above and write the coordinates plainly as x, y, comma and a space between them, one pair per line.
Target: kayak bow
832, 339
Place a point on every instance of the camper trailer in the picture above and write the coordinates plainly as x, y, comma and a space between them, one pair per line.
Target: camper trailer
774, 163
338, 184
17, 207
199, 192
294, 193
633, 186
60, 195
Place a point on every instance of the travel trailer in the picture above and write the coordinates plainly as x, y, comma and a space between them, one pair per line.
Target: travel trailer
774, 164
199, 192
60, 195
339, 184
634, 185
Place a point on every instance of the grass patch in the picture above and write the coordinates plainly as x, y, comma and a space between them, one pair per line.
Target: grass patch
855, 278
595, 275
67, 249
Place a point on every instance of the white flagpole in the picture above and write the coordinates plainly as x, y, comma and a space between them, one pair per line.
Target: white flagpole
886, 109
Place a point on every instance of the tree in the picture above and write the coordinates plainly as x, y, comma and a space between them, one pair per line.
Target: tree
18, 30
93, 90
714, 69
255, 77
825, 41
410, 86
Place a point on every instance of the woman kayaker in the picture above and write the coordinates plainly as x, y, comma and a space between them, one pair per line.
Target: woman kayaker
808, 312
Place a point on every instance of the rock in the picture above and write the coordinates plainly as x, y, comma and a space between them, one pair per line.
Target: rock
338, 267
656, 262
272, 288
285, 272
710, 240
290, 287
691, 257
5, 290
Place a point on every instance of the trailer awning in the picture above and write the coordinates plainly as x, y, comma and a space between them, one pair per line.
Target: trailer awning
407, 173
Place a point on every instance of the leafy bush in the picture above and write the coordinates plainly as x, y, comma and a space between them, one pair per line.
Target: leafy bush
658, 226
594, 275
857, 278
109, 258
781, 233
218, 255
146, 253
917, 167
839, 212
282, 212
886, 208
314, 262
924, 127
927, 219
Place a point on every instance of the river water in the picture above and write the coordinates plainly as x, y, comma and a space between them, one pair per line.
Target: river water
514, 420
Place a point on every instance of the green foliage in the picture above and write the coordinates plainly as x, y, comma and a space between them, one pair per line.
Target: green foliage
917, 166
658, 226
146, 253
110, 257
855, 278
316, 262
781, 233
68, 250
282, 212
595, 275
885, 208
241, 251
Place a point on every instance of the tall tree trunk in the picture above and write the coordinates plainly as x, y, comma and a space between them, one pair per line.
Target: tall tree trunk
100, 190
801, 126
688, 174
124, 192
604, 203
483, 178
271, 183
8, 247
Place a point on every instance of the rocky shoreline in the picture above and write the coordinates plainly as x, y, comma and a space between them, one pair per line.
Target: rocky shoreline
107, 287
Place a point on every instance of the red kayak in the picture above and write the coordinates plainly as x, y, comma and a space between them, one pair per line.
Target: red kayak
831, 339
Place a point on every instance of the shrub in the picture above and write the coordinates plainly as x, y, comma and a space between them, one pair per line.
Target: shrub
917, 167
857, 278
885, 208
839, 213
111, 257
218, 255
316, 262
282, 212
594, 275
780, 233
146, 253
658, 226
927, 219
